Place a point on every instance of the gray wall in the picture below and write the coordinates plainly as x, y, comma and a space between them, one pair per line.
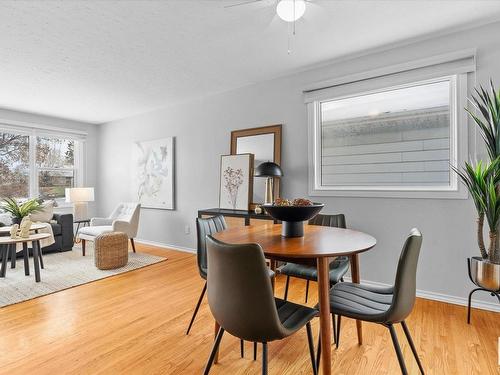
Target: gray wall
202, 130
91, 143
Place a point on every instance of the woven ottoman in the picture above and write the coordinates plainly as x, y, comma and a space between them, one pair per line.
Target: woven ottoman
111, 250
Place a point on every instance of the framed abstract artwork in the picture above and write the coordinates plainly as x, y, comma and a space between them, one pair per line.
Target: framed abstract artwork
236, 181
153, 173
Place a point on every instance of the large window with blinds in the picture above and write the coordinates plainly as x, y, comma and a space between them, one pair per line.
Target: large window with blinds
396, 139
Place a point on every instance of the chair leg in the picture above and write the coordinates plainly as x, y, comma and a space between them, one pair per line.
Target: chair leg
311, 347
318, 352
307, 289
412, 346
337, 340
285, 297
401, 360
242, 349
215, 349
83, 247
264, 358
133, 244
254, 351
334, 329
197, 307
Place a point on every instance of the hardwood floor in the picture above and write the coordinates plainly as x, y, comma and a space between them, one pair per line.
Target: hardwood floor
135, 323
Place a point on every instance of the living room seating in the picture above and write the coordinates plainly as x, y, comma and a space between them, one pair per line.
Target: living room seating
383, 305
124, 218
111, 250
240, 296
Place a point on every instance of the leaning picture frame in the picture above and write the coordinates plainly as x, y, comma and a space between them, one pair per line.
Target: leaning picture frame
236, 181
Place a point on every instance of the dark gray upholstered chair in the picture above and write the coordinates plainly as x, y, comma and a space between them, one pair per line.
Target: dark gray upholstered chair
204, 227
240, 296
383, 305
338, 267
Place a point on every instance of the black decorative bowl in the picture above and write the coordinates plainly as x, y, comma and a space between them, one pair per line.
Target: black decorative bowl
293, 217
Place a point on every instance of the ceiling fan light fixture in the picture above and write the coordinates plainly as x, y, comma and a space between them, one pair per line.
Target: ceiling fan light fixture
290, 10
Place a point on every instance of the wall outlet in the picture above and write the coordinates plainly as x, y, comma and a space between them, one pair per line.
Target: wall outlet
187, 229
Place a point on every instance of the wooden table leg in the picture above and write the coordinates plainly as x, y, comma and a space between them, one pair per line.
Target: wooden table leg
355, 279
36, 259
26, 259
13, 255
324, 315
5, 251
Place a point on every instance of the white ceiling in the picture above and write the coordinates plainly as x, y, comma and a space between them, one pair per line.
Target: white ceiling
98, 61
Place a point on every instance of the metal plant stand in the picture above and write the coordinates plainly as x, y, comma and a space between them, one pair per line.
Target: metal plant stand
492, 292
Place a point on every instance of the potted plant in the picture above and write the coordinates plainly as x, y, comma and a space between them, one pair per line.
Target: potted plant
19, 210
483, 182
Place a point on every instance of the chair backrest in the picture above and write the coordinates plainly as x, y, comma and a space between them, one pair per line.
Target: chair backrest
337, 221
128, 212
205, 227
405, 285
240, 294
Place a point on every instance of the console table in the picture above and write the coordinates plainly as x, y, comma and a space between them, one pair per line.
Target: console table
247, 215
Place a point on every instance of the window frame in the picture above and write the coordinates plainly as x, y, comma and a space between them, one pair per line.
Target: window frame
49, 132
458, 147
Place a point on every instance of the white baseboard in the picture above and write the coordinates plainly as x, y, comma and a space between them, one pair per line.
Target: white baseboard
483, 305
166, 246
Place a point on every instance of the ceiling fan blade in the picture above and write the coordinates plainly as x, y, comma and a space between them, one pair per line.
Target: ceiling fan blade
242, 3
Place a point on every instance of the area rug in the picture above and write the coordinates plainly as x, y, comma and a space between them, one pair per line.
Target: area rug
62, 271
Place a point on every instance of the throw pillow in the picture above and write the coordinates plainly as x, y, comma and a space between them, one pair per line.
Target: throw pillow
46, 214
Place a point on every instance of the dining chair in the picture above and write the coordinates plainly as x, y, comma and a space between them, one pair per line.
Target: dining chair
338, 267
204, 227
240, 296
383, 305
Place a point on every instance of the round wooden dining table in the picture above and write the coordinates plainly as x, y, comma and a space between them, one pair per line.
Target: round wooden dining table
318, 246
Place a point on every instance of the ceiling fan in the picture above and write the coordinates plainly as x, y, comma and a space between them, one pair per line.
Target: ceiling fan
288, 10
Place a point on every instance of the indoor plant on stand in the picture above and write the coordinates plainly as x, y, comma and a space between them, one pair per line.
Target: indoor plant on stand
483, 183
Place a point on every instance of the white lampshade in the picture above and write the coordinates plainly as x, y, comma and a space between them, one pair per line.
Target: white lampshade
291, 10
76, 195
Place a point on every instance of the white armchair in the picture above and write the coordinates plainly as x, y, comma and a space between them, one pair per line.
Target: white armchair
124, 218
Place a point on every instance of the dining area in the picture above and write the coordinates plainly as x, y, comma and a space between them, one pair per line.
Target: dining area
240, 266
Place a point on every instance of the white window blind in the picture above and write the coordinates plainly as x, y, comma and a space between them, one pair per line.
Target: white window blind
390, 135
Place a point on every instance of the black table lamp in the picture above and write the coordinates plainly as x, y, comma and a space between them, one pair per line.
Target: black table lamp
269, 170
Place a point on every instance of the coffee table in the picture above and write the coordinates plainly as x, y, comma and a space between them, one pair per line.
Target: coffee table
7, 243
34, 228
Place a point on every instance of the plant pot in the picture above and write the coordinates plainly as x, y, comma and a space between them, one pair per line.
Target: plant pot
484, 273
16, 220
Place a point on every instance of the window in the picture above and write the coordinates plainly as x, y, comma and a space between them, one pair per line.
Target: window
397, 141
36, 163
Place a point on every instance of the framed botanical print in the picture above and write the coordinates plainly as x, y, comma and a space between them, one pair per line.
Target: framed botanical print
236, 181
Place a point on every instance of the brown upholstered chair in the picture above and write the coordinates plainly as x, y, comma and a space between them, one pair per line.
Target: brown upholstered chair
240, 296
